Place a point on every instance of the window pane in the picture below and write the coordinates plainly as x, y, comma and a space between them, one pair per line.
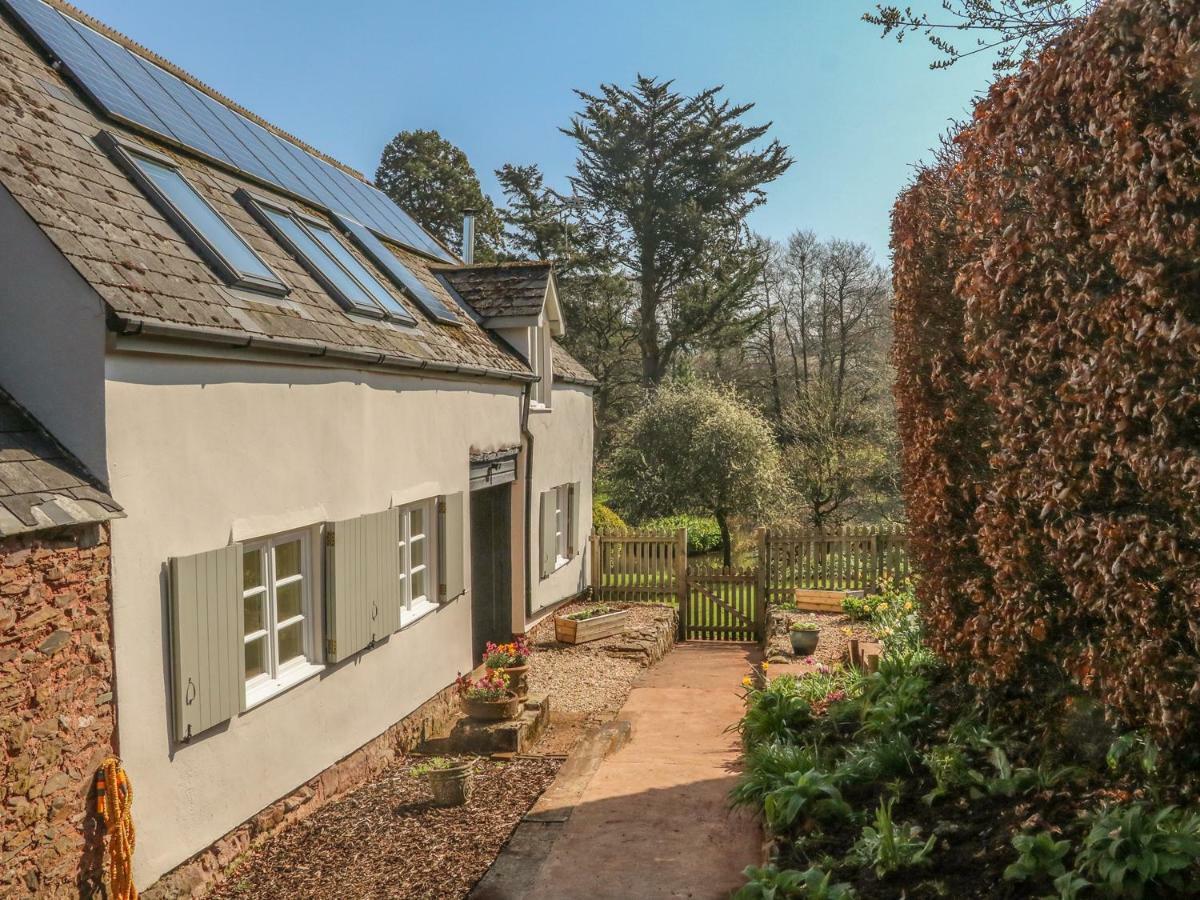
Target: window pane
312, 251
252, 569
418, 584
416, 521
291, 642
288, 601
287, 560
256, 658
339, 252
253, 605
204, 219
418, 553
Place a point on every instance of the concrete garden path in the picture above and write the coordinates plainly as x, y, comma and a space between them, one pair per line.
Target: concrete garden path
654, 819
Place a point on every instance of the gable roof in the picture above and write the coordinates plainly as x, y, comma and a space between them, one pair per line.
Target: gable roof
502, 290
151, 279
41, 484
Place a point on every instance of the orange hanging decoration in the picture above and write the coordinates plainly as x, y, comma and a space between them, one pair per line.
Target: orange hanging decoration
114, 800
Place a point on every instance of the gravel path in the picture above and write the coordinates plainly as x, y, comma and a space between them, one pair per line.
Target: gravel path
836, 631
387, 839
587, 683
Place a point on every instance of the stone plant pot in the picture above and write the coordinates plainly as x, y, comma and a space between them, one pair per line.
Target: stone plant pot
452, 786
492, 710
518, 680
804, 643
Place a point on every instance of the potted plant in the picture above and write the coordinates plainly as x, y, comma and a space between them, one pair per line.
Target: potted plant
513, 660
590, 624
805, 636
451, 782
488, 698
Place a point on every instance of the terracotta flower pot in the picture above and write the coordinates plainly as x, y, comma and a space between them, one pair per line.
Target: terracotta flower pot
492, 710
452, 786
518, 680
804, 643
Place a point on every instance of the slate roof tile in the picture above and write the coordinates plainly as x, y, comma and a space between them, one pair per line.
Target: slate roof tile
46, 487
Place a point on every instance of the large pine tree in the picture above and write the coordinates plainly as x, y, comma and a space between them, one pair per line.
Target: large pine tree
666, 182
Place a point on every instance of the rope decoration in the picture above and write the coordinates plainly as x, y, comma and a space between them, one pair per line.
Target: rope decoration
114, 802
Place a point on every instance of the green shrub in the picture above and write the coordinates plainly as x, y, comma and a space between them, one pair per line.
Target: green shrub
704, 534
776, 713
1134, 850
604, 518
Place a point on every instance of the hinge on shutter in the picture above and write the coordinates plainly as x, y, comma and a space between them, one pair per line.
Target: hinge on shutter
331, 647
329, 538
441, 505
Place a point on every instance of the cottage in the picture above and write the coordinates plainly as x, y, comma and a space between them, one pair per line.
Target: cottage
345, 457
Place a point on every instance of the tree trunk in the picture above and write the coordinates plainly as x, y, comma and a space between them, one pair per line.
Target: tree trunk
726, 541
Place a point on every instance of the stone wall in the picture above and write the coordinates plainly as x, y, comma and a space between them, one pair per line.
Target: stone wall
198, 875
56, 708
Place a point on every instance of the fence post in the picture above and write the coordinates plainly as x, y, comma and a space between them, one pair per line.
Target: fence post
594, 563
681, 580
762, 585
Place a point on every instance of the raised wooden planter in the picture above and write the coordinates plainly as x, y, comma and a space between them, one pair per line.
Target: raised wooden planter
865, 655
823, 601
580, 631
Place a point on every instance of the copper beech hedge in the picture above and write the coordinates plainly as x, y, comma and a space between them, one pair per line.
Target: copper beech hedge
1047, 280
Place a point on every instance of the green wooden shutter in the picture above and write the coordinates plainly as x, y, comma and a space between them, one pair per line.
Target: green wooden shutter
208, 682
362, 582
451, 548
549, 550
572, 523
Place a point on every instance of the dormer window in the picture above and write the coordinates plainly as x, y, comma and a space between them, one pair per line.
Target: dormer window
327, 259
205, 230
542, 363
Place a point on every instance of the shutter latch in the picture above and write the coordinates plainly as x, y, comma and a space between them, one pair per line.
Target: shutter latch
331, 647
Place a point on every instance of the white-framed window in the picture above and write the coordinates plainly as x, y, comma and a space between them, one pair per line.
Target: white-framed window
418, 578
540, 360
278, 640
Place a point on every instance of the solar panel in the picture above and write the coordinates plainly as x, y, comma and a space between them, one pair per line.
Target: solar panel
96, 78
398, 272
133, 89
129, 69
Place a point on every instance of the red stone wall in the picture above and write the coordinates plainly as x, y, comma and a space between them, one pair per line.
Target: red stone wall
56, 708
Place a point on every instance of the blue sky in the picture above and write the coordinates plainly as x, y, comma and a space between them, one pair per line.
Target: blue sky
496, 78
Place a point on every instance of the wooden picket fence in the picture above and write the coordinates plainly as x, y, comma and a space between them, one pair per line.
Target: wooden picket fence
640, 566
729, 603
845, 559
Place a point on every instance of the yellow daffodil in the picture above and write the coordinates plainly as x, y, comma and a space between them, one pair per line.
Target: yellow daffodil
766, 666
847, 630
746, 681
908, 604
883, 607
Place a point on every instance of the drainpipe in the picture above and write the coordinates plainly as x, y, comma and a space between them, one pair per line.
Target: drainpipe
527, 437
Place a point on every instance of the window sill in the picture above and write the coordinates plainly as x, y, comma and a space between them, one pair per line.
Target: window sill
420, 611
534, 406
290, 677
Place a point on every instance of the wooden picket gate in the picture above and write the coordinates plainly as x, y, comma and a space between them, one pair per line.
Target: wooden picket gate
723, 604
730, 604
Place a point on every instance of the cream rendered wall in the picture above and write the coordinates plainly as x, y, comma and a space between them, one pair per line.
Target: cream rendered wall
202, 450
562, 453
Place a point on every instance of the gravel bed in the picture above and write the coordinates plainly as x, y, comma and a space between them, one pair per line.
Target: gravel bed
387, 839
587, 684
836, 631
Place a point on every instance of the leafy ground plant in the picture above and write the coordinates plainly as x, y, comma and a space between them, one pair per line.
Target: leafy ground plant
1134, 849
1039, 856
810, 796
887, 847
766, 768
773, 883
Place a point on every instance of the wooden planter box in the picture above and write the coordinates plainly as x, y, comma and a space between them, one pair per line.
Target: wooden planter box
580, 631
822, 601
